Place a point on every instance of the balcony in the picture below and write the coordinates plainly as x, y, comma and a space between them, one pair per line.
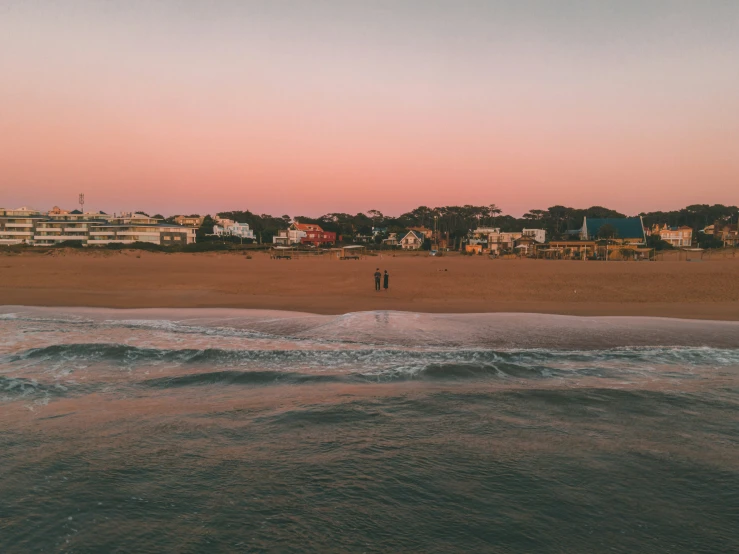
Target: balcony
60, 238
94, 242
139, 234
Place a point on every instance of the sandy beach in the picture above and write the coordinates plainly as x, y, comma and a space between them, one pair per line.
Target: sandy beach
450, 284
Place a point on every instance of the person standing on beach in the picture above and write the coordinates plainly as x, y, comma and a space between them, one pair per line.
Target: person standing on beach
386, 282
378, 275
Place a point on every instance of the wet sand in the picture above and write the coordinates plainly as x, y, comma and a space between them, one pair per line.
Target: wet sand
450, 284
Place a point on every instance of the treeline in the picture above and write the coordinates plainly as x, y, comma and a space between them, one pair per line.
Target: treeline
697, 216
455, 222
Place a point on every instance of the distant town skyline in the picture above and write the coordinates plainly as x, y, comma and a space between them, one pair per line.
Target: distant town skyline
306, 108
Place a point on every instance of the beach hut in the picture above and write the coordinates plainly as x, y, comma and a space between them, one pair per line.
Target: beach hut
351, 252
282, 252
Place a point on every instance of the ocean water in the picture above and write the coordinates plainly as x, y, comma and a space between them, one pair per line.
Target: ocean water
254, 431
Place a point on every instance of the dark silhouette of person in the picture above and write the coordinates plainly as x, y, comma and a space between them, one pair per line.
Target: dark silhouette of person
378, 275
386, 281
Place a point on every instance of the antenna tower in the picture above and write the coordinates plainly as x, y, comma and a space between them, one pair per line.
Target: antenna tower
82, 202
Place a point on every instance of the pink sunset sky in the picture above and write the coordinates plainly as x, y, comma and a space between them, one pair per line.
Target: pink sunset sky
308, 107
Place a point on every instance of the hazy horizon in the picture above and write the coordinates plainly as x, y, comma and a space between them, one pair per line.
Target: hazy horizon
310, 108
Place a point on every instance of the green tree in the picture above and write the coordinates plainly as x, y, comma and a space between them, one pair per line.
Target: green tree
656, 242
204, 232
535, 215
708, 241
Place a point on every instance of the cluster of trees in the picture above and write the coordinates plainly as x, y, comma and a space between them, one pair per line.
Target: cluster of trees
696, 216
455, 222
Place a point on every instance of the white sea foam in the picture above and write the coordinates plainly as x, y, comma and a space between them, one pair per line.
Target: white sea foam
41, 348
383, 328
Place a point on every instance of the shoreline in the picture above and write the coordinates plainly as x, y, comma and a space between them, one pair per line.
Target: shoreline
694, 312
232, 311
220, 331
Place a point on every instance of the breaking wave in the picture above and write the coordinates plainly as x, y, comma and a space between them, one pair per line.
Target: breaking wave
189, 366
125, 354
46, 352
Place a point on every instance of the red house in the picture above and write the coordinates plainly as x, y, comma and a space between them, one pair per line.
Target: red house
311, 233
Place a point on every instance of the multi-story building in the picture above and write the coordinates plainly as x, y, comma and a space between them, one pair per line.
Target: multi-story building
190, 220
229, 227
726, 232
130, 228
314, 234
539, 235
500, 241
282, 238
494, 240
391, 240
676, 236
304, 233
477, 239
27, 226
57, 228
17, 226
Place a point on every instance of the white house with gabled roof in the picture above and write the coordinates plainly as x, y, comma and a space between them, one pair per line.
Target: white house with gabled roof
413, 240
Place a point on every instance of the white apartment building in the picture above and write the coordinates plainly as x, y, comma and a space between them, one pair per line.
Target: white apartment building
232, 228
498, 241
28, 226
57, 228
289, 236
130, 228
539, 235
481, 234
17, 226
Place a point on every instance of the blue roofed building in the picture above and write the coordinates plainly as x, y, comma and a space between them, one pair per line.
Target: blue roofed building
627, 230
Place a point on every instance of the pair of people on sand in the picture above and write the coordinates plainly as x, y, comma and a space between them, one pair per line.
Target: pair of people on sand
385, 278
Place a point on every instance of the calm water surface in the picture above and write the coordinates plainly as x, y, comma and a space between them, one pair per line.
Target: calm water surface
249, 431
